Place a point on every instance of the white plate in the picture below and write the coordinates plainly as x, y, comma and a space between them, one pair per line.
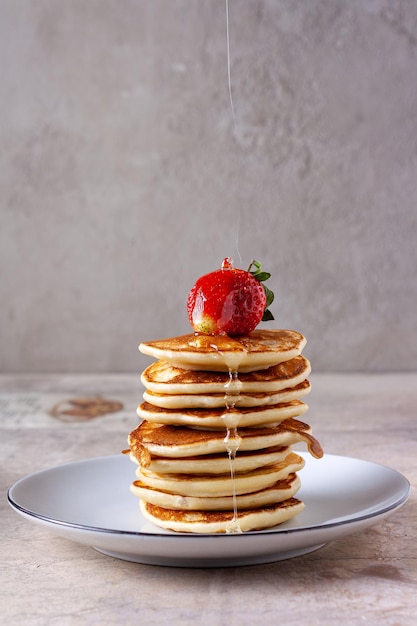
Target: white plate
89, 502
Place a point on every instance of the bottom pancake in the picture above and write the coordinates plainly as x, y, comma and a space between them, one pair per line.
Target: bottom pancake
220, 521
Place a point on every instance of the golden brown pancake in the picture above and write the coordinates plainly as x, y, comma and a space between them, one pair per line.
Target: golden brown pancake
215, 400
280, 491
220, 521
216, 463
179, 442
260, 349
242, 417
206, 486
164, 378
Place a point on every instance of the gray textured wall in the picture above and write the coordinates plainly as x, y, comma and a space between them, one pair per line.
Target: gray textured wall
123, 177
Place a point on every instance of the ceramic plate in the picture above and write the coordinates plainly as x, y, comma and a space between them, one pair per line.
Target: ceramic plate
89, 502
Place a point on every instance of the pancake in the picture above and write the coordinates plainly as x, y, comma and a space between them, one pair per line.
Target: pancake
216, 400
164, 378
220, 521
179, 442
207, 486
260, 349
216, 463
215, 418
280, 491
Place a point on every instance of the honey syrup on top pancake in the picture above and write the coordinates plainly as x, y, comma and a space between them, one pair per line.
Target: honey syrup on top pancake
260, 349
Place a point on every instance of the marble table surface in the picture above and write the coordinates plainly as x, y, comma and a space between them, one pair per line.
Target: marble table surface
368, 577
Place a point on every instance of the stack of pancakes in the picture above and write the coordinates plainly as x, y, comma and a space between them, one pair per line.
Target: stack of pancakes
219, 417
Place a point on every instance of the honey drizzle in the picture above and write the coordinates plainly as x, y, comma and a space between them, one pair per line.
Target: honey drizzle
231, 418
229, 77
232, 440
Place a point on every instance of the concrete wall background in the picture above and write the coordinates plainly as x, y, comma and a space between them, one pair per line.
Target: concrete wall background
123, 177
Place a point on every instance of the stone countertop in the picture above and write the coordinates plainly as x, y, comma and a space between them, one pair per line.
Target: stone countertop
368, 577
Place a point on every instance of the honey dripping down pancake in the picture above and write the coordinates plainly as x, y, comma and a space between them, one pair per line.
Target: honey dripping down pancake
221, 413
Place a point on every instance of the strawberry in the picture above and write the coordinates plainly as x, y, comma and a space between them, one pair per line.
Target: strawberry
230, 301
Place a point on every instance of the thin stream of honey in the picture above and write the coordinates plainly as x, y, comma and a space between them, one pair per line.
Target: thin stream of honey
231, 419
232, 439
229, 81
233, 386
229, 76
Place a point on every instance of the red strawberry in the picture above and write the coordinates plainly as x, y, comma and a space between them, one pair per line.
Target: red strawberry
229, 301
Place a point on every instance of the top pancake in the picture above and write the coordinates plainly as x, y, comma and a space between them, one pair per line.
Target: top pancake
258, 350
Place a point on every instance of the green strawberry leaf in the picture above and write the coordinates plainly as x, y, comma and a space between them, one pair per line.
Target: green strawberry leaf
267, 316
263, 276
269, 296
